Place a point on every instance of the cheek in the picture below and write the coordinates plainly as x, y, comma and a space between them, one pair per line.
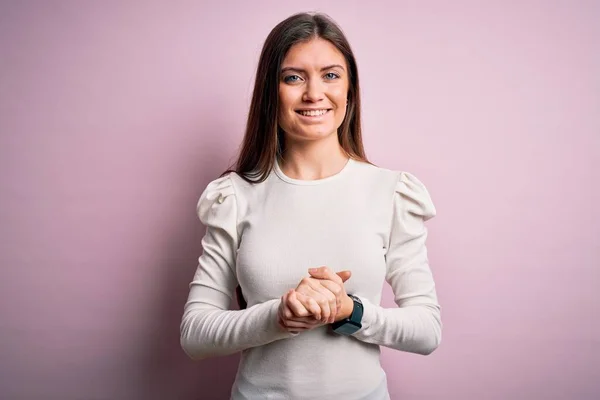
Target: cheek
340, 99
288, 95
339, 95
285, 103
283, 106
285, 113
283, 118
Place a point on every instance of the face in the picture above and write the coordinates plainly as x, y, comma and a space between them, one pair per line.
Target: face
313, 88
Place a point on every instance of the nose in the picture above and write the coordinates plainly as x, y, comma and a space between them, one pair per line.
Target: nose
314, 91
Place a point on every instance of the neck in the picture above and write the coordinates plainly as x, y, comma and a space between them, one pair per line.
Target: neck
313, 160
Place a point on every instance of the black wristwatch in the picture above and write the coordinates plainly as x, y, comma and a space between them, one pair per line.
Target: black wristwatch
352, 324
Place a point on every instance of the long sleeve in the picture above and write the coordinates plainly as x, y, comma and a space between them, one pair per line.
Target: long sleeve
415, 326
208, 327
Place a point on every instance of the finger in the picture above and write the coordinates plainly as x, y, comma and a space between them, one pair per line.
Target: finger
284, 310
322, 300
296, 307
292, 325
310, 304
281, 319
338, 293
311, 288
283, 307
296, 325
291, 330
288, 314
337, 290
309, 319
324, 273
344, 275
329, 297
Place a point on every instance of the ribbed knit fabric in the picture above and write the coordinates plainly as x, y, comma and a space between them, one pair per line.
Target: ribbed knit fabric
365, 219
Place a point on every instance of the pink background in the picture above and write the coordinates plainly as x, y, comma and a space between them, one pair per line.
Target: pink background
114, 115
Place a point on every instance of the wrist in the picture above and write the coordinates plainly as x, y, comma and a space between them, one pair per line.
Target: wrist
347, 308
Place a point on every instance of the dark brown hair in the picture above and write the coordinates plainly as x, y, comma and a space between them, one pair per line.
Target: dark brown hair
264, 139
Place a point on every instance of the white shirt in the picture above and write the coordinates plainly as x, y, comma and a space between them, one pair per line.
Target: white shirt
365, 219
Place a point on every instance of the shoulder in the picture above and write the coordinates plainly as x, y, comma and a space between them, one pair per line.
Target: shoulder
414, 196
405, 188
228, 196
374, 177
217, 199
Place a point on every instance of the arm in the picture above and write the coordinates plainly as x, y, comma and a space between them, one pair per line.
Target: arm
208, 328
415, 326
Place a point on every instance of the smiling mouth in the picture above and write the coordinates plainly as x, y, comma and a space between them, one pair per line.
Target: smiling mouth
313, 113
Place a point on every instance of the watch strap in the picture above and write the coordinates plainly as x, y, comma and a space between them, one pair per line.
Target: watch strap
352, 324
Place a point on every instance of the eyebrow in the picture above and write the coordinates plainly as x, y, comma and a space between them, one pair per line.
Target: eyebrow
322, 69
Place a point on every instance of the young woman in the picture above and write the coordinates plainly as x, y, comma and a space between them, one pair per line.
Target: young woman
309, 230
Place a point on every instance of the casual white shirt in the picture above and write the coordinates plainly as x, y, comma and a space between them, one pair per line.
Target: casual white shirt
265, 236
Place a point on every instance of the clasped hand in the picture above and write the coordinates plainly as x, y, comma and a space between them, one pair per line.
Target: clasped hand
318, 299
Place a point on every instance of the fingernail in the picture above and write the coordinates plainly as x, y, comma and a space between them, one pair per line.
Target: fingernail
312, 269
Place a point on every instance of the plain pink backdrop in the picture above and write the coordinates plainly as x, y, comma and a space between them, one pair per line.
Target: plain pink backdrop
114, 115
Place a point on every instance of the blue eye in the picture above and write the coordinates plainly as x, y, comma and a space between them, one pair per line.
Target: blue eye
288, 79
331, 75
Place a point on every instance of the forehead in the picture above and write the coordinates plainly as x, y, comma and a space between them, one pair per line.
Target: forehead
316, 52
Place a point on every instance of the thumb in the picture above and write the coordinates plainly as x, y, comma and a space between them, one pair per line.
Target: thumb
345, 275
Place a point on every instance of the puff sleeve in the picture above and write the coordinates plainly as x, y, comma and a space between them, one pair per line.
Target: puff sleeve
414, 326
208, 328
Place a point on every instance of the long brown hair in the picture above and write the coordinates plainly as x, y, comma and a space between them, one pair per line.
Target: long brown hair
264, 139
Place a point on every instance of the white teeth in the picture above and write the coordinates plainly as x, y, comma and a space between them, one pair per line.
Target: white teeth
312, 113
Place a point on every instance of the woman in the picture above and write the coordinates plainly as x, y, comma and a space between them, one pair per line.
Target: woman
309, 230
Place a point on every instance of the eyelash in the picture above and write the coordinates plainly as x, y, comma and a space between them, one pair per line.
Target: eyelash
287, 78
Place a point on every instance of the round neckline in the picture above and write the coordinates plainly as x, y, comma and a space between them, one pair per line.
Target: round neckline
305, 182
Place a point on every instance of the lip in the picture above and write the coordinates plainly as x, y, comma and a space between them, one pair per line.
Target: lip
313, 119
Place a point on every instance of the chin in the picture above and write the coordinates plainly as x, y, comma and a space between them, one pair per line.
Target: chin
313, 134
